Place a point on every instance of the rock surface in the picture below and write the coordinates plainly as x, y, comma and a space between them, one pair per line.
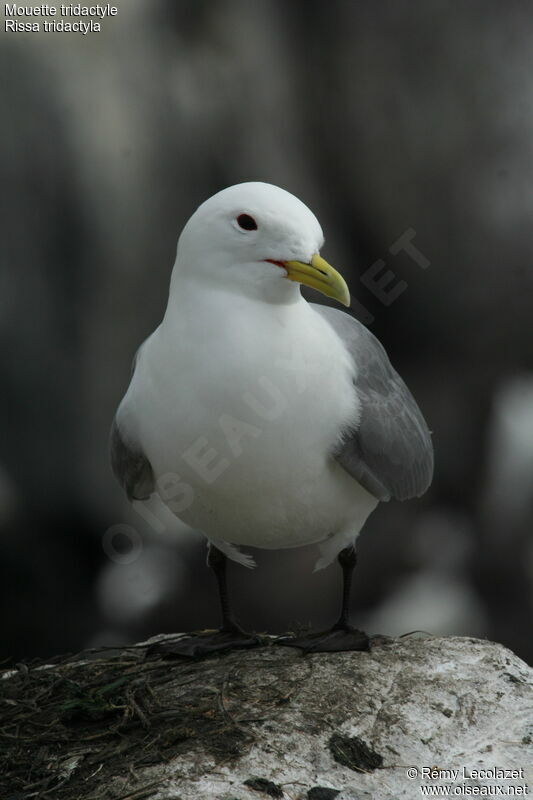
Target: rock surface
273, 723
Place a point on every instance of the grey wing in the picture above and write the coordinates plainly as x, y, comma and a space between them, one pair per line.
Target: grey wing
390, 453
130, 466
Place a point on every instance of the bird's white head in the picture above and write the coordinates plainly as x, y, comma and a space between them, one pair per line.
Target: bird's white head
258, 240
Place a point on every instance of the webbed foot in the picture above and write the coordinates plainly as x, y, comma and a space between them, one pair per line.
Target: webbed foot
204, 643
334, 640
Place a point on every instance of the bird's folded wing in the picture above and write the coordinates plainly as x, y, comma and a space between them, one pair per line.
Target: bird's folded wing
389, 452
131, 467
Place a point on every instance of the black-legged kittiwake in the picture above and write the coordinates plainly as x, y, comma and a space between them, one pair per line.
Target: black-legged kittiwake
259, 418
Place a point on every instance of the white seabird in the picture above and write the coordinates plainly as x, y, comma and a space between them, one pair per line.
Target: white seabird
259, 418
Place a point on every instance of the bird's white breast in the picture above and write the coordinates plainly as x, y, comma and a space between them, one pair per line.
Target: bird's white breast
238, 406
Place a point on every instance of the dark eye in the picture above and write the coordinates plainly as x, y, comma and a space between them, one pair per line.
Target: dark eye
247, 222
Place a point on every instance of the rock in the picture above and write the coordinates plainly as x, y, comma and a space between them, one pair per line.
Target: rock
273, 723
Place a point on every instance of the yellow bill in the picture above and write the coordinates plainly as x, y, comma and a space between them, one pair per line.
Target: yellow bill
319, 275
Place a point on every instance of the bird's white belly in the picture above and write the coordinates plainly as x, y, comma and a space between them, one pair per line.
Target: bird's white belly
242, 450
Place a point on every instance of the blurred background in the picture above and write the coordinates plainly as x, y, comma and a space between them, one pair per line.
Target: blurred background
383, 118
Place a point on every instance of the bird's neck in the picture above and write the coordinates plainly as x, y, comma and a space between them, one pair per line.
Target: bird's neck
189, 296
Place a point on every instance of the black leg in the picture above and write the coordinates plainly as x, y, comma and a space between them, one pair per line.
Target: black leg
218, 562
228, 637
347, 558
341, 636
